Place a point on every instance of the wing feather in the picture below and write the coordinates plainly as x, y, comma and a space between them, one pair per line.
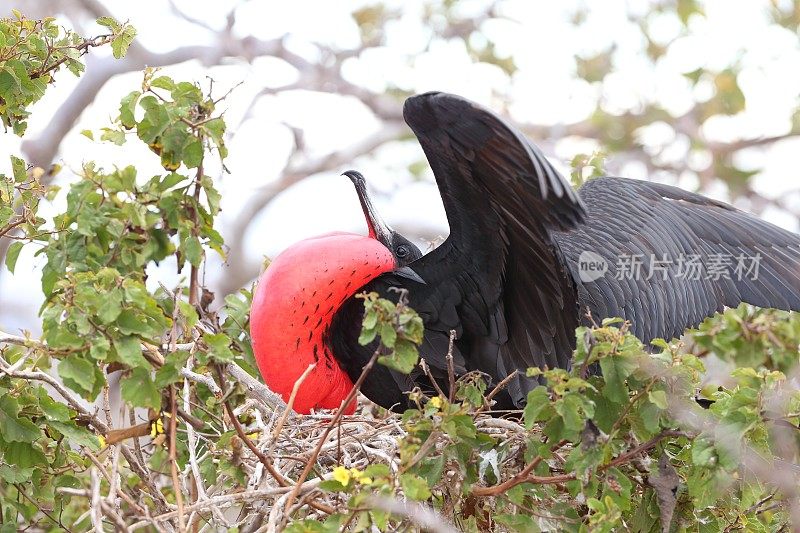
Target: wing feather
630, 217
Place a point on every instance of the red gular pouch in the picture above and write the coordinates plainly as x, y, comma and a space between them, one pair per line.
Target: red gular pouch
296, 299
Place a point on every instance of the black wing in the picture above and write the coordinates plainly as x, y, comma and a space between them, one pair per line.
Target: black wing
741, 258
498, 279
508, 278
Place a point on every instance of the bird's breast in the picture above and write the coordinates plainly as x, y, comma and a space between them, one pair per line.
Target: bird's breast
294, 304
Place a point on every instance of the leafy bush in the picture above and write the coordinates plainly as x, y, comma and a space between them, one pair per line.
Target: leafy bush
200, 441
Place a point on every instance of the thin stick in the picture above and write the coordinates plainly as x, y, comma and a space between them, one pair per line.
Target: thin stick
173, 457
96, 511
500, 386
563, 478
451, 371
427, 370
194, 296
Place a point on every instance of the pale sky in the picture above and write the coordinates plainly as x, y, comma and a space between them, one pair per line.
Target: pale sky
542, 42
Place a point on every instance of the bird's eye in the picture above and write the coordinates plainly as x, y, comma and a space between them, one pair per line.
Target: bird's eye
402, 251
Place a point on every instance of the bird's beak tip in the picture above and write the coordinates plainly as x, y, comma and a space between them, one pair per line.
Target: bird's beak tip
409, 273
354, 176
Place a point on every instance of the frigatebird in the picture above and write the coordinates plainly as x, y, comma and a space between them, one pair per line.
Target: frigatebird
527, 260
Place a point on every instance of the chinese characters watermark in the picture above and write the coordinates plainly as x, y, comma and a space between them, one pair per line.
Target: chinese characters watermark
690, 267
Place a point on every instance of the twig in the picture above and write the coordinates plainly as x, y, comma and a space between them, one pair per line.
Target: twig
8, 338
130, 501
427, 370
208, 381
173, 457
451, 372
191, 444
96, 510
500, 386
516, 480
525, 477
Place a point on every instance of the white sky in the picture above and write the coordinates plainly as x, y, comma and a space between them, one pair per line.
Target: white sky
542, 42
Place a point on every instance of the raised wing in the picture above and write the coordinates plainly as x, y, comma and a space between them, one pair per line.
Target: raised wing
498, 279
675, 258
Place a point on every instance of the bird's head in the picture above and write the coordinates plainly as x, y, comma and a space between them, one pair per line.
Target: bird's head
301, 291
403, 250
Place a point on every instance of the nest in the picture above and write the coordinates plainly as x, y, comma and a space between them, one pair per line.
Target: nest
288, 442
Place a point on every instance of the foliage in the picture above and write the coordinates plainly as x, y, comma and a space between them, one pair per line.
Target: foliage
114, 226
399, 328
590, 452
586, 167
33, 51
751, 337
629, 448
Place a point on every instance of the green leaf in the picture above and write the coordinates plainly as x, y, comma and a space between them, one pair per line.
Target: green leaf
53, 410
12, 254
538, 399
155, 120
193, 250
616, 370
518, 522
193, 153
77, 435
170, 180
189, 313
139, 390
113, 136
414, 487
11, 474
19, 169
388, 335
331, 485
13, 428
110, 306
127, 109
109, 23
703, 452
406, 355
170, 372
100, 346
163, 82
129, 350
8, 82
569, 407
370, 319
49, 277
6, 212
77, 373
367, 336
658, 398
218, 346
120, 44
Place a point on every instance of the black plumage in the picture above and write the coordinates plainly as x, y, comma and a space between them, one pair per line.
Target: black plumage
508, 279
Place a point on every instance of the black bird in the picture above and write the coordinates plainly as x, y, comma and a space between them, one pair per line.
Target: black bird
527, 257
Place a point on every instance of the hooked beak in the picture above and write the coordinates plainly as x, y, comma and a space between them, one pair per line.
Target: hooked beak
377, 227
